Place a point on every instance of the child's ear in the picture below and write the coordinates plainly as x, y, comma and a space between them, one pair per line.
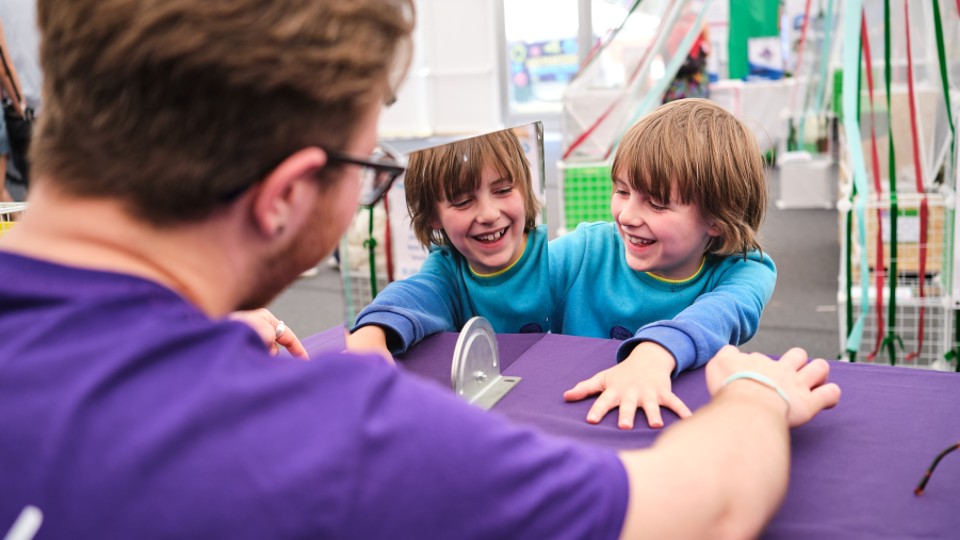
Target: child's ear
436, 225
713, 230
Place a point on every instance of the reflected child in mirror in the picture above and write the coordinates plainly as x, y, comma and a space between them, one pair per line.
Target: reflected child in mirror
472, 204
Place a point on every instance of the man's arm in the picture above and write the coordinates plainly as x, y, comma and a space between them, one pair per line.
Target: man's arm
723, 472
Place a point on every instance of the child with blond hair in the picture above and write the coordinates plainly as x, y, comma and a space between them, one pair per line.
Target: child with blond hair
679, 273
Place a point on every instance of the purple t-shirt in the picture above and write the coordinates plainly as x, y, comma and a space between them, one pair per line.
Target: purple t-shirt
127, 413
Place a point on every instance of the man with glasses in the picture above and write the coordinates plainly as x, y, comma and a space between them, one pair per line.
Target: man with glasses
134, 408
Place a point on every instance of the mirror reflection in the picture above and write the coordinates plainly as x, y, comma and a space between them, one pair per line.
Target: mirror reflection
460, 233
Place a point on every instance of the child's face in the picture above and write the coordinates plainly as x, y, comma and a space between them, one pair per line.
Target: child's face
662, 237
486, 225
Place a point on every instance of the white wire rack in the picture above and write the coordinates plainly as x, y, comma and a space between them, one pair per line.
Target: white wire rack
917, 263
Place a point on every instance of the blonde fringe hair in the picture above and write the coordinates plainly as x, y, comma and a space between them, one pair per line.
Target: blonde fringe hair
692, 151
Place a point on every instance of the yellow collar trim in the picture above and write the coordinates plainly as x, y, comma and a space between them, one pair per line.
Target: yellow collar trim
703, 261
503, 270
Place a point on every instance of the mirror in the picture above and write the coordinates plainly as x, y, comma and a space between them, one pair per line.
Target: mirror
383, 246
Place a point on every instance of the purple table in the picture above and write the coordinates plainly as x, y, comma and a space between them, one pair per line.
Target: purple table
854, 467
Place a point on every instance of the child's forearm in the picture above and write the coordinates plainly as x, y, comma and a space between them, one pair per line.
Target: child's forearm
370, 338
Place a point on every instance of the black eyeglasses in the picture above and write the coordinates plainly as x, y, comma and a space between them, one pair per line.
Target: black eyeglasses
918, 491
378, 174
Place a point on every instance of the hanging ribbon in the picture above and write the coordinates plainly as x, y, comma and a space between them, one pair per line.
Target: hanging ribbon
918, 173
877, 187
890, 342
851, 57
803, 37
387, 240
819, 96
613, 106
944, 78
654, 95
602, 42
657, 90
371, 244
945, 81
792, 137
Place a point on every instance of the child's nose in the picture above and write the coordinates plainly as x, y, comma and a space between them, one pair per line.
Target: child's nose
487, 211
631, 215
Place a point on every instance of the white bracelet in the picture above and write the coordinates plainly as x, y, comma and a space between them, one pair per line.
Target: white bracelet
762, 379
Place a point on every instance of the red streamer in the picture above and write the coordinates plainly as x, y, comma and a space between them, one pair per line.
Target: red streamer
879, 270
387, 242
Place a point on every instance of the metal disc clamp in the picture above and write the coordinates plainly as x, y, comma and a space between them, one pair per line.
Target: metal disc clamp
475, 373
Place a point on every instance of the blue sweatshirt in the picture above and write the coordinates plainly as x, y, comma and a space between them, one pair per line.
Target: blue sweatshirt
446, 293
598, 295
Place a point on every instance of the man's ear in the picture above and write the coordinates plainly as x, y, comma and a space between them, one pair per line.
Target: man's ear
282, 195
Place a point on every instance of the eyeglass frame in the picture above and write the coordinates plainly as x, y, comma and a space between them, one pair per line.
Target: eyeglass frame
393, 170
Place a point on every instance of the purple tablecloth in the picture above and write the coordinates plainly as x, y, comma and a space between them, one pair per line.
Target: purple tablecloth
854, 467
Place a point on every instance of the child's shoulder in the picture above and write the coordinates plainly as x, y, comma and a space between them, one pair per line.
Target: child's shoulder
586, 239
593, 229
751, 260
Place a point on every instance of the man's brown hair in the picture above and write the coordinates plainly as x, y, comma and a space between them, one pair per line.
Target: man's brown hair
445, 172
171, 105
692, 151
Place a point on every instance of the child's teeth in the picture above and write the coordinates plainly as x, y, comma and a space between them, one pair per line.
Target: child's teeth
493, 236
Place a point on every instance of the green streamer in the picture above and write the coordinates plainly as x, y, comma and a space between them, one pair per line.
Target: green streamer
942, 57
890, 341
371, 244
953, 353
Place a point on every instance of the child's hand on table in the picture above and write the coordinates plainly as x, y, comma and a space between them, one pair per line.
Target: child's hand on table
642, 380
369, 339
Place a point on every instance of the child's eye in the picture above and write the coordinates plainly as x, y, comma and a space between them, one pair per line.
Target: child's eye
621, 192
657, 206
460, 203
504, 191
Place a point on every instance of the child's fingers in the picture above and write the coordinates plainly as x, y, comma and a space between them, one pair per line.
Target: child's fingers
628, 412
675, 404
651, 408
603, 404
584, 389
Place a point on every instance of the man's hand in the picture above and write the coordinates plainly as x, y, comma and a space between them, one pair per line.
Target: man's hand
642, 380
268, 327
803, 382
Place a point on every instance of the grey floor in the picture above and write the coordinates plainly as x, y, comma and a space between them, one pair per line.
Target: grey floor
803, 311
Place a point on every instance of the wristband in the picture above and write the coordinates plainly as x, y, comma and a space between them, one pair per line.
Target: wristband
762, 379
